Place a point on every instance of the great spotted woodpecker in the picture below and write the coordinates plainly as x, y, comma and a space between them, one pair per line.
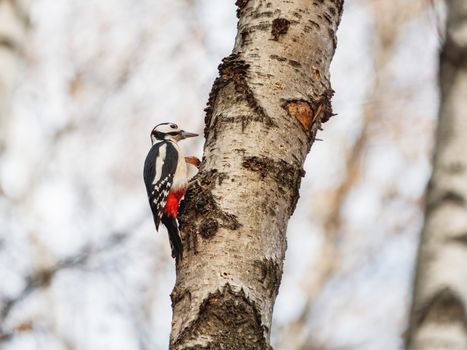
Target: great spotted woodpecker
166, 179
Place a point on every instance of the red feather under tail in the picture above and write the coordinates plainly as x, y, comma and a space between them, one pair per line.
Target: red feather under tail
173, 202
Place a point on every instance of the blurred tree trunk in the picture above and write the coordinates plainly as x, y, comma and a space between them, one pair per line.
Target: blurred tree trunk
12, 28
438, 319
271, 96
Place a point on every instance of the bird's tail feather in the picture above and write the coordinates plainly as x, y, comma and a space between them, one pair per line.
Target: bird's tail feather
174, 237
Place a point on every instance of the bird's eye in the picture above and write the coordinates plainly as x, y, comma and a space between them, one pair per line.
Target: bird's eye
173, 126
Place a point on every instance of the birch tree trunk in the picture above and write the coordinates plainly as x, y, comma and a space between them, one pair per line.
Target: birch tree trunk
438, 319
12, 29
271, 96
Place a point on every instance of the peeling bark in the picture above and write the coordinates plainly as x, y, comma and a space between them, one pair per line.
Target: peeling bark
272, 95
12, 28
438, 317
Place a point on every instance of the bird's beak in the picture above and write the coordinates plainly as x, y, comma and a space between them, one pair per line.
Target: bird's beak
185, 134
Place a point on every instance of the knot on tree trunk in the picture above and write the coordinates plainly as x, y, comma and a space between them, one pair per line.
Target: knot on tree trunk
229, 320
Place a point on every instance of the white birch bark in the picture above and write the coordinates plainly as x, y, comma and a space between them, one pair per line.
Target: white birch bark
271, 96
438, 319
12, 30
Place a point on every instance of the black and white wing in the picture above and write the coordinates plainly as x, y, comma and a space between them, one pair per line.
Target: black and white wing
159, 172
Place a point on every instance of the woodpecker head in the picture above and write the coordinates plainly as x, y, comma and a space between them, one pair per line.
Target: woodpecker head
169, 131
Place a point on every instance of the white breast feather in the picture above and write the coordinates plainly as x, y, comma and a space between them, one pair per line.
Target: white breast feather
180, 179
191, 171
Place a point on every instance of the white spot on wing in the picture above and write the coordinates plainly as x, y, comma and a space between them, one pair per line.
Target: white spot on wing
159, 163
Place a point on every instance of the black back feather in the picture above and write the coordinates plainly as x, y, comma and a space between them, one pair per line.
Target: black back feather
159, 191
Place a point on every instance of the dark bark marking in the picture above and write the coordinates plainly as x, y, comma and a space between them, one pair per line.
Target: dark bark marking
327, 18
176, 296
278, 58
263, 26
325, 102
240, 151
444, 307
270, 274
245, 120
295, 64
208, 228
200, 214
314, 24
244, 37
241, 4
287, 176
267, 14
231, 69
283, 173
298, 15
339, 6
280, 26
453, 54
448, 197
230, 319
234, 70
332, 34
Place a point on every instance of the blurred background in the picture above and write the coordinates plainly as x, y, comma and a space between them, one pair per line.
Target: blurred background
82, 83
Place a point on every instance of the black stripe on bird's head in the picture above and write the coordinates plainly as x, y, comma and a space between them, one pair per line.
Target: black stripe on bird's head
169, 131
